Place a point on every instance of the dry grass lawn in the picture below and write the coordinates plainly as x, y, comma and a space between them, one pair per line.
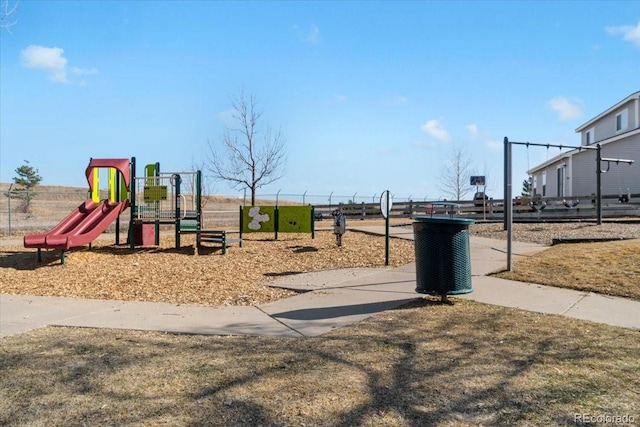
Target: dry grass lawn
606, 267
423, 364
609, 268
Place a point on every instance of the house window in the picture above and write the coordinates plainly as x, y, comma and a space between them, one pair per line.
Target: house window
560, 176
544, 184
622, 120
589, 137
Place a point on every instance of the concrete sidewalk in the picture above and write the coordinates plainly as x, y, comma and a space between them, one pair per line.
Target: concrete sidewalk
333, 298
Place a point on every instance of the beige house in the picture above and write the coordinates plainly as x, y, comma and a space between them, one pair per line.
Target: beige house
573, 173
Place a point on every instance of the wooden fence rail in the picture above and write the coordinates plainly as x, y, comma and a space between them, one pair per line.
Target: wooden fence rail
543, 208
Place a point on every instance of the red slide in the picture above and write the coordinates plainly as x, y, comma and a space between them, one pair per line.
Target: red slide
80, 227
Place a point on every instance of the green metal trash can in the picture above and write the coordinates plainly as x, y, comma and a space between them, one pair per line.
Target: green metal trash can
443, 256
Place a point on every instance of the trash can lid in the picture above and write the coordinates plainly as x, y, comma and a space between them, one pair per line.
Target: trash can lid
444, 220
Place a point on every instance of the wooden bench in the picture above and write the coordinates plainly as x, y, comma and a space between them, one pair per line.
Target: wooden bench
215, 236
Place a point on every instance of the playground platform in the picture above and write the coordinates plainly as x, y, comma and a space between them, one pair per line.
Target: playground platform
334, 298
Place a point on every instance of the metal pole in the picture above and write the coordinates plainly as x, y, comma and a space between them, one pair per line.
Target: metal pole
386, 227
133, 209
276, 219
508, 206
157, 221
505, 173
9, 206
199, 217
118, 179
599, 185
241, 223
178, 210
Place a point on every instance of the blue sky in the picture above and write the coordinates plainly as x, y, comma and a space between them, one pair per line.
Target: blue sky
370, 95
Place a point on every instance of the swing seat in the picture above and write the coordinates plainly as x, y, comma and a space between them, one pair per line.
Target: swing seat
538, 206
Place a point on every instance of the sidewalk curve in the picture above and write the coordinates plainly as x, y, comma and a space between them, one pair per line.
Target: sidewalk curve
333, 299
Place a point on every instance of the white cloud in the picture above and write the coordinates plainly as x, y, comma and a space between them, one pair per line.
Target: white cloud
629, 32
49, 59
312, 36
53, 62
473, 130
567, 108
436, 130
83, 71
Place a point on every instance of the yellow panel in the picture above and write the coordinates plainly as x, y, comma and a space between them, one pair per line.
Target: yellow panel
124, 193
112, 185
154, 193
95, 193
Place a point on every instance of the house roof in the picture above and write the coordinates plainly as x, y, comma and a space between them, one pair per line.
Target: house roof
570, 153
609, 110
551, 161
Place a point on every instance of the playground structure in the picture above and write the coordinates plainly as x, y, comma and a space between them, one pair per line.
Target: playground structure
93, 216
508, 191
277, 219
158, 198
154, 199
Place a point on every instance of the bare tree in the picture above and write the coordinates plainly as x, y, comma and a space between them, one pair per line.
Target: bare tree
456, 173
246, 160
490, 184
190, 184
7, 12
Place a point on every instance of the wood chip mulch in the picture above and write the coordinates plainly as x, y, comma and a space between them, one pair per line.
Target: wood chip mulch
180, 276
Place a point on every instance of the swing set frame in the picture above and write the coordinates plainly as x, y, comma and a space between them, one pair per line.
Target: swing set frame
508, 189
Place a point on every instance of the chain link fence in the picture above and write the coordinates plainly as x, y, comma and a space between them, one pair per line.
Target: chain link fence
38, 211
23, 212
